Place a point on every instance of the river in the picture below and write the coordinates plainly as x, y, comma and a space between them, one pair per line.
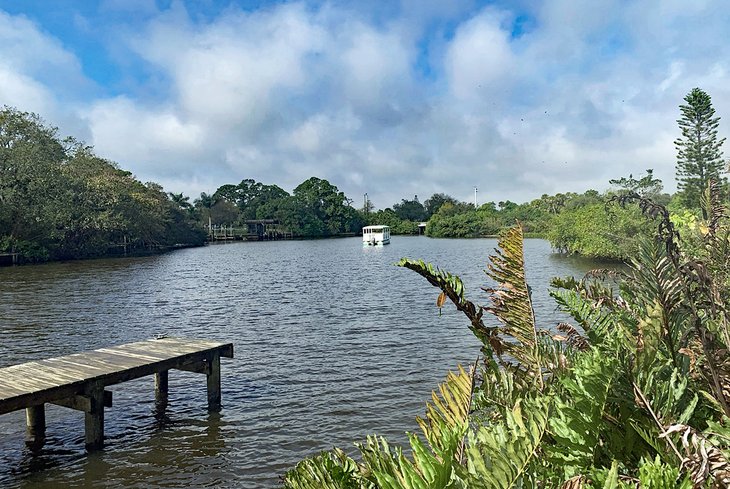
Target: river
332, 343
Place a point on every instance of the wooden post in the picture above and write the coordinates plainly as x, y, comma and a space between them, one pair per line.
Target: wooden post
214, 382
94, 418
161, 389
35, 420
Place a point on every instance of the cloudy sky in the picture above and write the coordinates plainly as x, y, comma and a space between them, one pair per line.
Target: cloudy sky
389, 98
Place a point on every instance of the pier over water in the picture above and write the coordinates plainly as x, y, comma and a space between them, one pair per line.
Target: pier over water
77, 381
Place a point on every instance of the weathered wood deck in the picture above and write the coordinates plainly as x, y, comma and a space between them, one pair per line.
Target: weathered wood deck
78, 381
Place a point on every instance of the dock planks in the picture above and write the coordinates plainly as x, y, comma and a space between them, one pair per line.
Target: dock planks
78, 381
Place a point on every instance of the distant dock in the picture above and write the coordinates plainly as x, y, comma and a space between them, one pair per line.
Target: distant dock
254, 230
77, 381
7, 259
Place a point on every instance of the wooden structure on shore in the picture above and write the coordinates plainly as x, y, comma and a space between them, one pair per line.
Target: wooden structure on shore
78, 381
255, 230
9, 258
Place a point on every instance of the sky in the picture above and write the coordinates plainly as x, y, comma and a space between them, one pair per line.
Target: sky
390, 98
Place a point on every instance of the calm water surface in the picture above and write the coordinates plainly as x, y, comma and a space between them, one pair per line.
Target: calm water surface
332, 343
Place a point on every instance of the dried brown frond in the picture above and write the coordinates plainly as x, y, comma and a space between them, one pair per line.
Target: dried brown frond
577, 482
701, 459
667, 233
575, 338
717, 211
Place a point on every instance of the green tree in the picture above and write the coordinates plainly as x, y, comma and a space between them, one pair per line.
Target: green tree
31, 156
223, 212
699, 155
646, 186
322, 210
60, 201
182, 201
410, 210
434, 203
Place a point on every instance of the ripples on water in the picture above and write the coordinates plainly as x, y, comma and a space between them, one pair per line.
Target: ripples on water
332, 343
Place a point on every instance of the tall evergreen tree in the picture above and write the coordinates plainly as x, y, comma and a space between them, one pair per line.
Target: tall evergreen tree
699, 154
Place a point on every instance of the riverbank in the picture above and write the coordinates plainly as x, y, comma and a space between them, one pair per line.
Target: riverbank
118, 251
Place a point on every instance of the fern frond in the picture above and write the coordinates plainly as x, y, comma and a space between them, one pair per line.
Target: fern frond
574, 338
655, 289
502, 455
511, 305
717, 210
384, 467
445, 425
667, 390
447, 417
657, 475
719, 434
453, 288
702, 461
497, 393
511, 301
578, 425
597, 321
329, 470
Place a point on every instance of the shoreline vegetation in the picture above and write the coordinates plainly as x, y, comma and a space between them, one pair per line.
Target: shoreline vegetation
632, 393
60, 201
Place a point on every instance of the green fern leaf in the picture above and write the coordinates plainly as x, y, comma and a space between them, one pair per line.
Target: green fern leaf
332, 470
578, 425
501, 455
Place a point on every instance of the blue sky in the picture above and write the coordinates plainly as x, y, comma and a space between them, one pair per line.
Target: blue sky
392, 98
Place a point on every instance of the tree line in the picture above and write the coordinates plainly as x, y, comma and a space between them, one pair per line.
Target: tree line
583, 223
58, 200
587, 223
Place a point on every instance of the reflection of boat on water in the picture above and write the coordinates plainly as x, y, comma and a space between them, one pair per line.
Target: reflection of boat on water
375, 235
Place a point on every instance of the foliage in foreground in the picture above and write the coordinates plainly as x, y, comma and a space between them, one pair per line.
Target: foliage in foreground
633, 394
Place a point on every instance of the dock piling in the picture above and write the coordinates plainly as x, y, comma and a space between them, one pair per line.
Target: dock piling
161, 387
35, 417
214, 381
94, 417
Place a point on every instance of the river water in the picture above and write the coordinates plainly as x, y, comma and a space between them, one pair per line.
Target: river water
331, 341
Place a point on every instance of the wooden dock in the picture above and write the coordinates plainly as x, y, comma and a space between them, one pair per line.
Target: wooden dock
9, 259
78, 381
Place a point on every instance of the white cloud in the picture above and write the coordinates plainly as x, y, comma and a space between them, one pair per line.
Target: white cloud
234, 70
28, 50
37, 74
22, 91
122, 131
479, 59
675, 72
375, 65
421, 98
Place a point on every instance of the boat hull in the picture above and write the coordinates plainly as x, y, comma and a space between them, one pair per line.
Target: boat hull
376, 243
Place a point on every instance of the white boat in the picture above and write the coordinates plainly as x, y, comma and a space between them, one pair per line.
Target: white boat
375, 235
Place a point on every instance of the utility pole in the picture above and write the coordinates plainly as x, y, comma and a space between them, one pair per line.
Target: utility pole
475, 197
